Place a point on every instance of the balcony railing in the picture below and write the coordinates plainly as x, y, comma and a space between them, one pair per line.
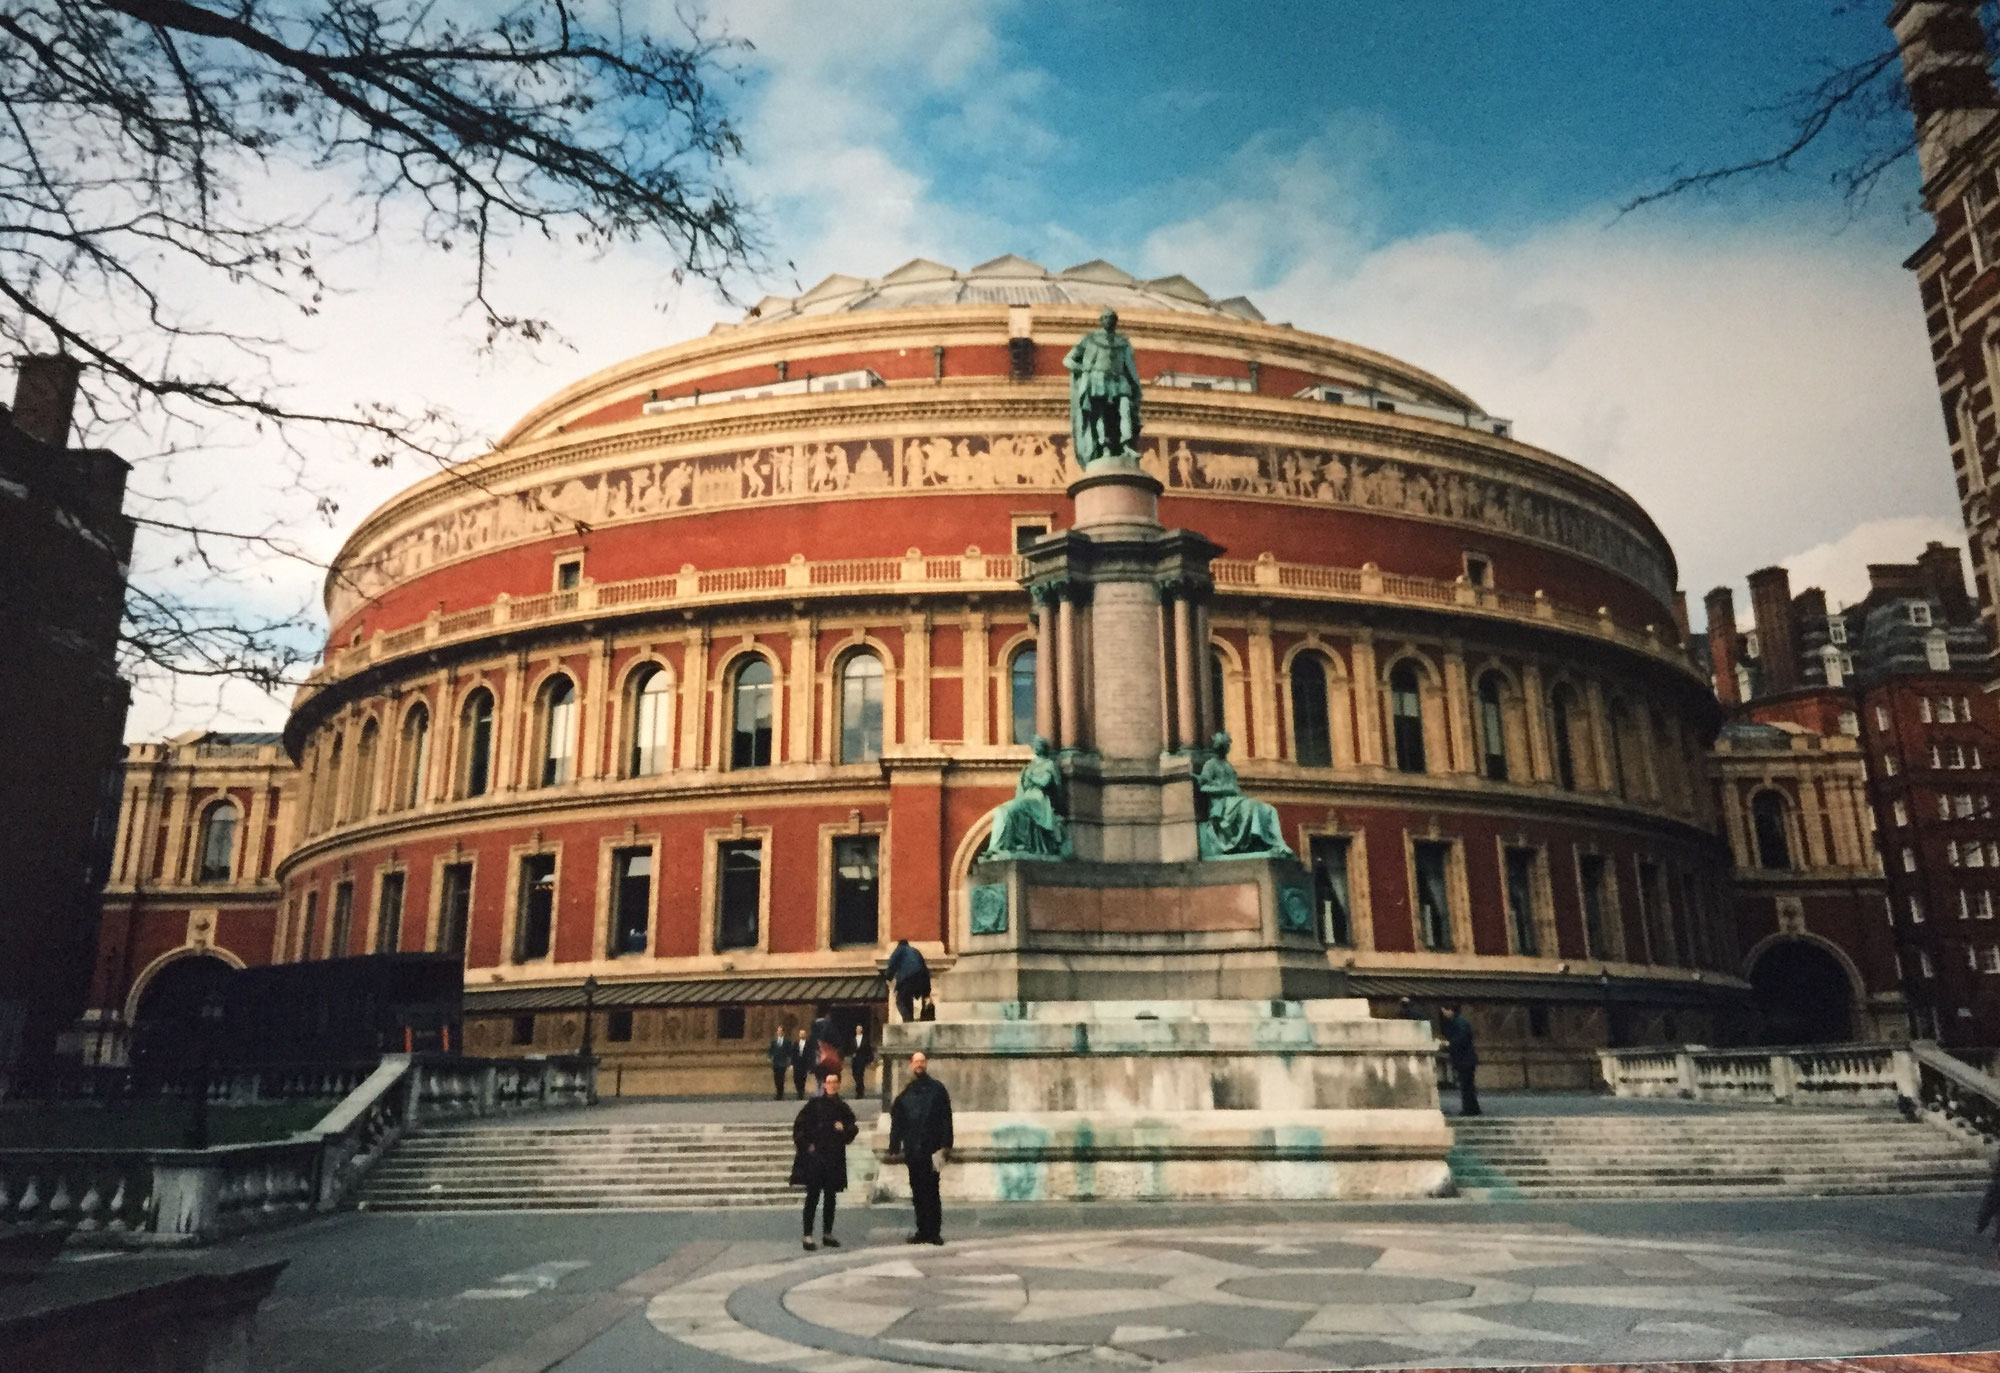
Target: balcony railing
971, 571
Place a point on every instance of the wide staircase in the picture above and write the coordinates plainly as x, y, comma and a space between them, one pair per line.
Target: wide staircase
570, 1165
1711, 1152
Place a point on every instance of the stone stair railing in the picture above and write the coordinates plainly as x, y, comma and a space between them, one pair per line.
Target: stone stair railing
192, 1196
1921, 1074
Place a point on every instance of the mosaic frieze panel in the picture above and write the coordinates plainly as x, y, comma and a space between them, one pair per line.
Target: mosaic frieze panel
805, 471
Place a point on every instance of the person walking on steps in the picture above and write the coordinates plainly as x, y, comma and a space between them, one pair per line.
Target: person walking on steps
920, 1136
801, 1063
910, 976
821, 1133
1464, 1056
859, 1055
780, 1054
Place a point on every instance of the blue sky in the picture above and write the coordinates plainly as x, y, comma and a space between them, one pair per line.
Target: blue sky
1437, 181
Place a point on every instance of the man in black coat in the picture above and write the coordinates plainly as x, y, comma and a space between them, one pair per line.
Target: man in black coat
859, 1055
1464, 1056
801, 1064
780, 1054
821, 1133
920, 1135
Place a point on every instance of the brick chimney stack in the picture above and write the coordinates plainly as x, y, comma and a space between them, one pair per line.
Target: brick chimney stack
1777, 631
1721, 604
1944, 573
45, 398
1945, 69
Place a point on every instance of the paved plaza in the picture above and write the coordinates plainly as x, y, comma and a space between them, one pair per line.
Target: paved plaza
1125, 1287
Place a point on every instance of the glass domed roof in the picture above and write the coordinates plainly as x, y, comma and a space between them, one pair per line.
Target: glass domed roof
1006, 280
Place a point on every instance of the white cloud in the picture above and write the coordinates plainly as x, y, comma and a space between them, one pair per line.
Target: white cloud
1840, 566
1758, 387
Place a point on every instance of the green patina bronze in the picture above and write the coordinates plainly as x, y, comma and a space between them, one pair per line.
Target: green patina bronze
1104, 395
1032, 824
1233, 825
989, 908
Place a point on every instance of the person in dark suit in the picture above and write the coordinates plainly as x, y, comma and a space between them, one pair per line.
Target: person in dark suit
1464, 1056
780, 1054
801, 1064
920, 1136
859, 1055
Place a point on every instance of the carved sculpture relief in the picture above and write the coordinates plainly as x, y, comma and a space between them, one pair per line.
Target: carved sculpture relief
803, 471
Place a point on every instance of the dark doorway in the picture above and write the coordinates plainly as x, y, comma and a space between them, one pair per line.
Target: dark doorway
1802, 995
168, 1020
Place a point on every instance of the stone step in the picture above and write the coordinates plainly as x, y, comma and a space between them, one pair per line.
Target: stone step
1567, 1172
1927, 1187
1844, 1151
691, 1202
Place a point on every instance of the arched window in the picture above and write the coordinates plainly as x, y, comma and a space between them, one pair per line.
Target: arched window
652, 712
416, 762
1406, 715
750, 738
861, 709
1021, 697
1492, 728
217, 850
1767, 819
1619, 724
362, 802
1562, 710
329, 797
1312, 740
475, 742
558, 731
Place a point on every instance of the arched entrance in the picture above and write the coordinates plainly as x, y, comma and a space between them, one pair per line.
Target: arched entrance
167, 1019
1802, 993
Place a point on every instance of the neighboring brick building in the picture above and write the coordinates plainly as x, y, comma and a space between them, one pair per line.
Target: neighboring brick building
1886, 694
1948, 72
64, 546
204, 820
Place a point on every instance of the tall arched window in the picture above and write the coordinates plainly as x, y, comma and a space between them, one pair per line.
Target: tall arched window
1492, 728
1618, 726
416, 761
750, 722
336, 773
216, 861
558, 731
1406, 717
475, 742
652, 714
861, 709
1312, 740
1021, 697
362, 802
1562, 713
1767, 819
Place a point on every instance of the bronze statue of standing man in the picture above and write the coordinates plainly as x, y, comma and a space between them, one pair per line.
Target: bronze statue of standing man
1104, 394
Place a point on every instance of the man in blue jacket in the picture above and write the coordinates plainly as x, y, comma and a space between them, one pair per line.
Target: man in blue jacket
909, 975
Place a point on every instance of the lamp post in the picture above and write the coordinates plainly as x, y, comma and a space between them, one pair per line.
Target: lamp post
207, 1022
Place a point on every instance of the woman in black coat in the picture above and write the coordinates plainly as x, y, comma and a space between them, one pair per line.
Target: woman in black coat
820, 1136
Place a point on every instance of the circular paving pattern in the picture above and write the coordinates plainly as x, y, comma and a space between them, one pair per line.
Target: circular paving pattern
1319, 1296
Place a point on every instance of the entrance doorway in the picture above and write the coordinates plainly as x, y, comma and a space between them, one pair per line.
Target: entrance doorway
166, 1025
1802, 995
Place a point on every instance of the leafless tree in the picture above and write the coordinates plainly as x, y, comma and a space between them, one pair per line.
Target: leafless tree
138, 139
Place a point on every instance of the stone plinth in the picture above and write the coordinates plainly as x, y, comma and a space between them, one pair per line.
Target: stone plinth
1179, 1100
1077, 931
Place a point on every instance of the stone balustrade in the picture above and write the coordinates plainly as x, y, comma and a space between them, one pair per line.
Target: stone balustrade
1829, 1075
192, 1196
971, 571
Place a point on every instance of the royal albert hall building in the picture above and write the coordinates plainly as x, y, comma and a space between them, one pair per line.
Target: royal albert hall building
693, 696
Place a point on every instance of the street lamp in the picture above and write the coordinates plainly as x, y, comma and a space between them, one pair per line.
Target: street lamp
208, 1021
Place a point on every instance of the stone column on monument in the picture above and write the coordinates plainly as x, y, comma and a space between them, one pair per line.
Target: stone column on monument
1045, 666
1067, 715
1208, 709
1186, 711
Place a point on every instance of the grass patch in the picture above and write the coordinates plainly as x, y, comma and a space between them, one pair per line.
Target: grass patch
147, 1124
